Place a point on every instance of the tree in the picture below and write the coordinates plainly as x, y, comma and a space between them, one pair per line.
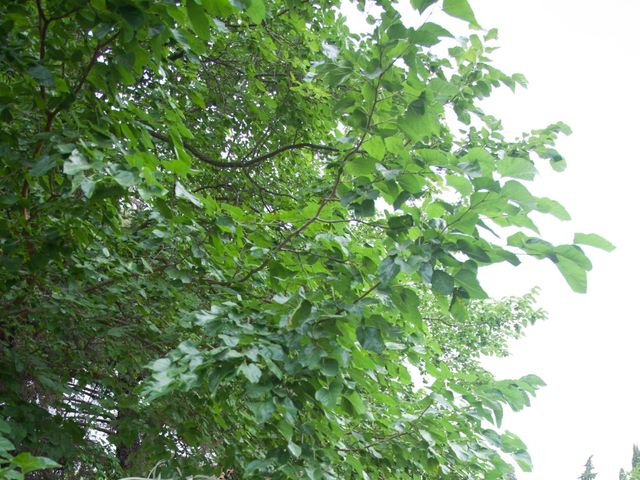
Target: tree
232, 228
634, 473
588, 473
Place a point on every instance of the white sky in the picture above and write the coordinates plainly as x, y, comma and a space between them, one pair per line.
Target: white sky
581, 58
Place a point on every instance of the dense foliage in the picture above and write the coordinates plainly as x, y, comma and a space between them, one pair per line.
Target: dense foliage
238, 239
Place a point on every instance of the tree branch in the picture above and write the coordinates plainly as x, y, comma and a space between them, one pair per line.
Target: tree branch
245, 162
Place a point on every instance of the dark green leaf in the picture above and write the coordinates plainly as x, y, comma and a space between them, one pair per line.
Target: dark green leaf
442, 282
199, 19
370, 339
388, 270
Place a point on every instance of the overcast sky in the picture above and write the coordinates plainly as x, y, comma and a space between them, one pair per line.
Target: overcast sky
582, 60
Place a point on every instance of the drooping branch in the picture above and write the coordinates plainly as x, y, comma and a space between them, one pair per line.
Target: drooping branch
245, 162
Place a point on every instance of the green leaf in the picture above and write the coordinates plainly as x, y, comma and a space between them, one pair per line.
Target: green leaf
593, 240
370, 338
219, 8
429, 34
256, 11
575, 254
547, 205
523, 459
41, 75
459, 9
294, 449
469, 282
285, 429
418, 126
400, 223
76, 163
442, 282
29, 463
559, 164
356, 402
262, 411
388, 270
251, 372
199, 19
329, 367
533, 380
460, 183
517, 167
375, 147
6, 445
301, 313
125, 178
366, 208
182, 192
329, 396
575, 275
43, 165
421, 5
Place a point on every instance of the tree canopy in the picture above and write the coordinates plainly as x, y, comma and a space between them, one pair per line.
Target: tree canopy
239, 240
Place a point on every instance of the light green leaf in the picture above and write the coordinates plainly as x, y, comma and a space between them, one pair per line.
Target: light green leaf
421, 5
523, 459
294, 449
182, 192
256, 11
125, 178
460, 183
251, 372
469, 282
547, 205
356, 402
76, 163
429, 34
375, 147
594, 240
517, 167
575, 276
459, 9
